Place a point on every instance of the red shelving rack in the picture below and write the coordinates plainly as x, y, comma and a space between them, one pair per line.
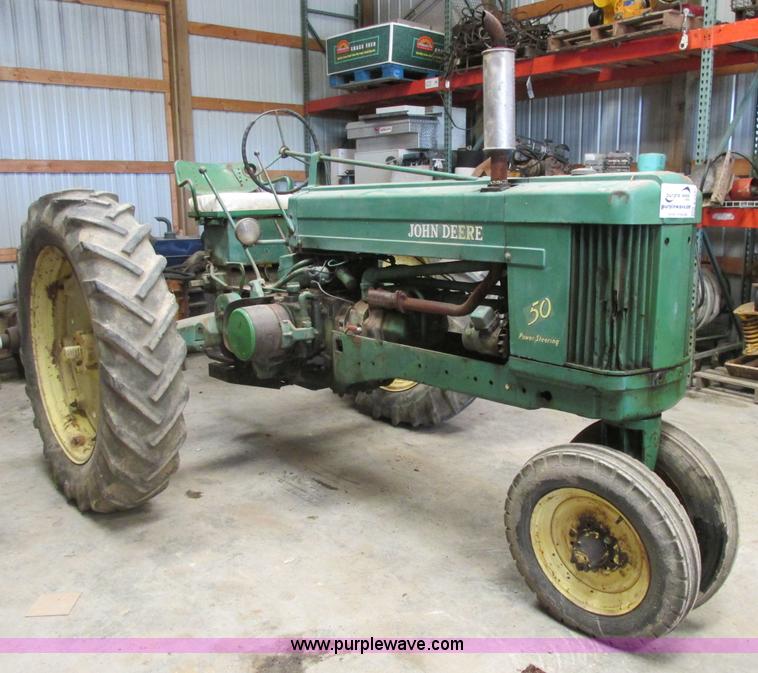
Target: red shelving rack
734, 215
602, 66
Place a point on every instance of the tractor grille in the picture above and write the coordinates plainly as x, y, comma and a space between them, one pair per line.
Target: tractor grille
611, 279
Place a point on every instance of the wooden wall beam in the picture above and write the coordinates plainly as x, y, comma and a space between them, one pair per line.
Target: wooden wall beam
368, 12
179, 103
181, 80
177, 212
249, 35
235, 105
8, 255
84, 79
144, 6
675, 147
85, 166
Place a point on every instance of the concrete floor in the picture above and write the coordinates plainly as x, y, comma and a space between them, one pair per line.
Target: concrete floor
315, 520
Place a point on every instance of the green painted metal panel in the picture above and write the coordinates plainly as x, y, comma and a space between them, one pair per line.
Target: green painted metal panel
612, 311
446, 219
538, 294
230, 177
517, 382
673, 299
585, 255
224, 248
240, 334
423, 218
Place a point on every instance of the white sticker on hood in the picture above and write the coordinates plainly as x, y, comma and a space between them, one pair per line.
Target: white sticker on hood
678, 201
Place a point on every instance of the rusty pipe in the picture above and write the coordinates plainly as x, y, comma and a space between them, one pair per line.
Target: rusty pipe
499, 163
400, 301
494, 29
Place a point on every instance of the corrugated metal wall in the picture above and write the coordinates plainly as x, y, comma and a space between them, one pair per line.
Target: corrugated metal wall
243, 70
64, 122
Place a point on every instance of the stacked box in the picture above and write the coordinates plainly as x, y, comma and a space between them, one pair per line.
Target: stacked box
387, 51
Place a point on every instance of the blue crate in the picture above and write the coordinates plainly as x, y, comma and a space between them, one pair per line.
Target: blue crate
389, 72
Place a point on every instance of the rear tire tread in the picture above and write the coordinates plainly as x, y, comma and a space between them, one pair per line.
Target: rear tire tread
421, 406
140, 427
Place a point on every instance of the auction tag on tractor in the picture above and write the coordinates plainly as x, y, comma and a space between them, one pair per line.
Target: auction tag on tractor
678, 201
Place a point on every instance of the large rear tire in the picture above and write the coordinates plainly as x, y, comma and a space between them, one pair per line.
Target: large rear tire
409, 403
404, 402
102, 356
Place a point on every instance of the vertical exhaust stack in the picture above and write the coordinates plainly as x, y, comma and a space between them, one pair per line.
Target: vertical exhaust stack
499, 89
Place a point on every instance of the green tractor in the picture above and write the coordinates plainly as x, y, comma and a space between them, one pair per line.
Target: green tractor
571, 293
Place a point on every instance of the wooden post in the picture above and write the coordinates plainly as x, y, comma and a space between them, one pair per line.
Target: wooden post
181, 99
676, 147
367, 12
176, 213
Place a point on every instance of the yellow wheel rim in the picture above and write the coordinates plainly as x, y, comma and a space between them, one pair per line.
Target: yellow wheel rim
65, 354
399, 385
589, 551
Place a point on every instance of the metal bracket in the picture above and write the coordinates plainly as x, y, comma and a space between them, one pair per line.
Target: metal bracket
292, 334
685, 41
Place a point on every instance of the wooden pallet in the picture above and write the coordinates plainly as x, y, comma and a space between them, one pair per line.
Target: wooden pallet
645, 25
720, 379
389, 72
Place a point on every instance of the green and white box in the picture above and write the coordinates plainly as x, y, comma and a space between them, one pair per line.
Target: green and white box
411, 48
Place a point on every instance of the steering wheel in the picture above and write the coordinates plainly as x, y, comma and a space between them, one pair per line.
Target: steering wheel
256, 173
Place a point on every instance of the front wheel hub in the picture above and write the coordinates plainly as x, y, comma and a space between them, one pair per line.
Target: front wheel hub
596, 549
590, 552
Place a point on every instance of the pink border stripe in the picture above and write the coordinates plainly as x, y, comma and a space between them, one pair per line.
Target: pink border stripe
578, 645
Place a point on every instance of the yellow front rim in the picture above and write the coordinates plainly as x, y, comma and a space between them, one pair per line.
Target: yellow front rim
65, 354
589, 551
399, 385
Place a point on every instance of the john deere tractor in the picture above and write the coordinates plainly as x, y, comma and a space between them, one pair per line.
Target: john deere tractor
571, 293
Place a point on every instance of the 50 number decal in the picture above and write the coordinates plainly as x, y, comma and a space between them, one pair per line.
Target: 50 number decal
539, 310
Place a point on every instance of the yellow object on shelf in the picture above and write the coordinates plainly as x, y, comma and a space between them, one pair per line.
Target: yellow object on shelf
616, 10
748, 316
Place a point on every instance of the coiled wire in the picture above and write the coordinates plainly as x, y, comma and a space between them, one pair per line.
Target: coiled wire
709, 300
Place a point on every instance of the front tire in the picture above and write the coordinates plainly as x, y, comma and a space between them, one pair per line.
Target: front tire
102, 356
603, 542
693, 475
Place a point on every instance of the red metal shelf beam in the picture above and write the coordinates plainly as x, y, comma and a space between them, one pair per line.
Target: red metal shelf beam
629, 63
733, 218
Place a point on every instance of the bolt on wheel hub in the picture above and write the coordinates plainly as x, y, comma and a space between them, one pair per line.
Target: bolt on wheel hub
65, 354
594, 548
589, 551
